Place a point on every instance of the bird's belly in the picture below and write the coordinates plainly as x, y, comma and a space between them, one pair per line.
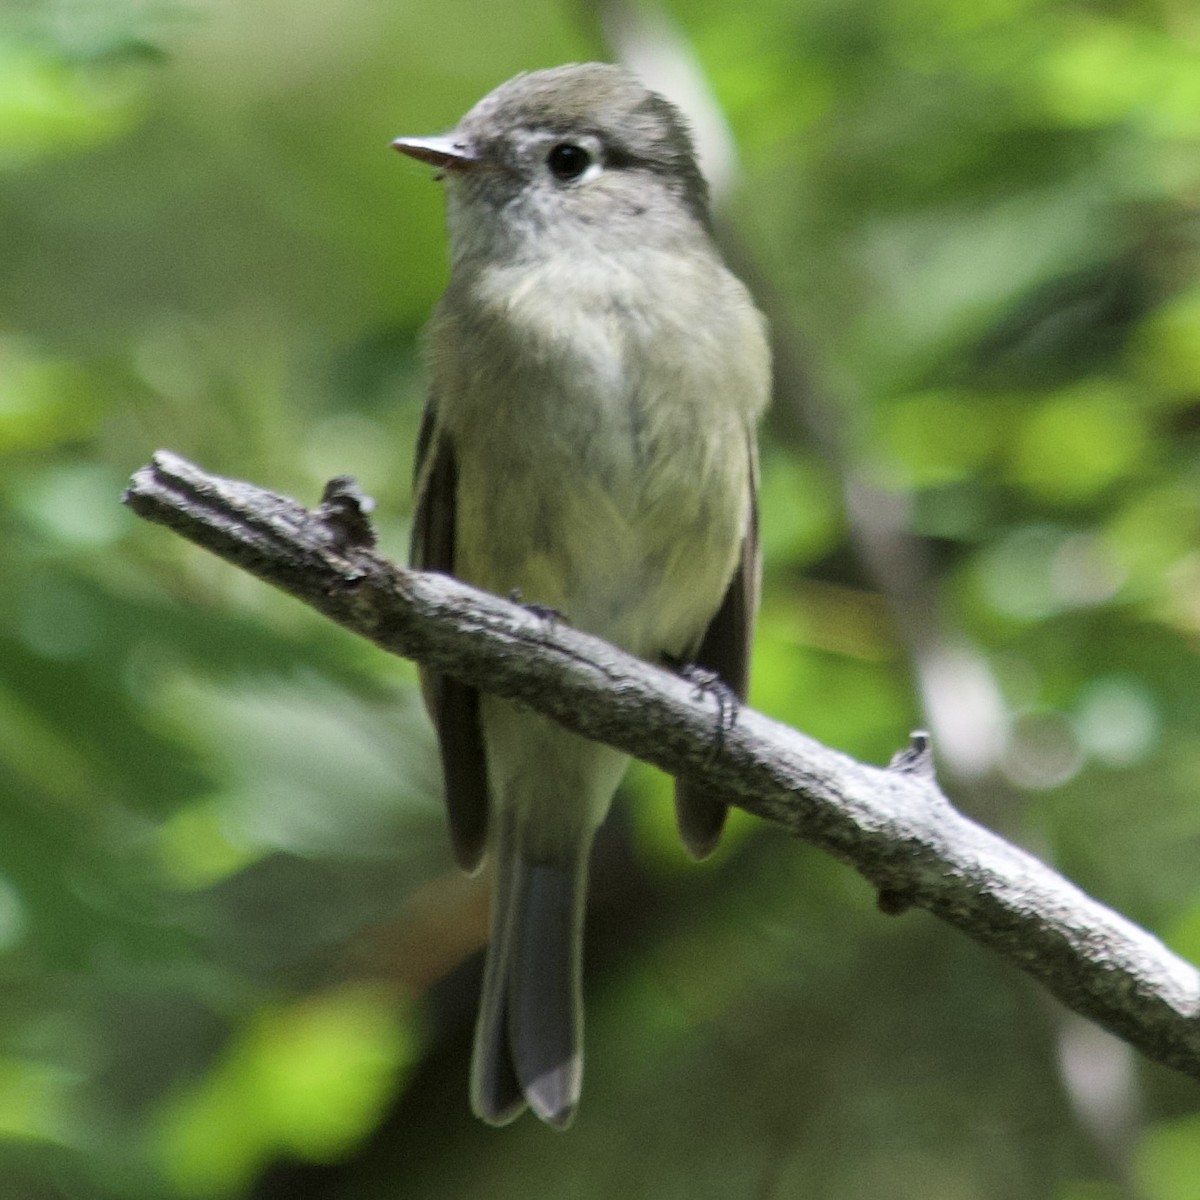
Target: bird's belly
636, 549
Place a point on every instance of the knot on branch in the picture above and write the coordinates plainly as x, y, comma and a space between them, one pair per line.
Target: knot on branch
917, 757
345, 511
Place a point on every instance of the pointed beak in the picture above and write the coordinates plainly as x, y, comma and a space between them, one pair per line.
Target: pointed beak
442, 152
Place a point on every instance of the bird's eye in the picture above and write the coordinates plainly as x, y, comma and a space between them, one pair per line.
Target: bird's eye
568, 161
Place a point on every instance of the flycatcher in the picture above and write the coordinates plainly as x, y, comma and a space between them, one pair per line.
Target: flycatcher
597, 377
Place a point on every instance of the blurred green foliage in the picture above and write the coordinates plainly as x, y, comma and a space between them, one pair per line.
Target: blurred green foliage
235, 955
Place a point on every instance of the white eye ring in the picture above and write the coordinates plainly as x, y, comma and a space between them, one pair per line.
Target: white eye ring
571, 162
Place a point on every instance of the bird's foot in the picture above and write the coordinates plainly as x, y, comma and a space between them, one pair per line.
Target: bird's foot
552, 616
709, 683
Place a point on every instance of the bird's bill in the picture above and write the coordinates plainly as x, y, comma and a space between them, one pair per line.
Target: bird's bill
442, 152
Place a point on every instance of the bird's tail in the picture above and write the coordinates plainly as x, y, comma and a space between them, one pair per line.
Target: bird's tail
529, 1039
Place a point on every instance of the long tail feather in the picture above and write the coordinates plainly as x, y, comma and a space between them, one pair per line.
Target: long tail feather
528, 1043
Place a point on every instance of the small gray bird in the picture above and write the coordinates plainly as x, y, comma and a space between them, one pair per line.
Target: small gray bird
597, 376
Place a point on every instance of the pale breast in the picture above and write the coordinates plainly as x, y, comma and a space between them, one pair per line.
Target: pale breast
604, 438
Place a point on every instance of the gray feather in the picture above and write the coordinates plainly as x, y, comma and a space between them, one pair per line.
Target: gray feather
725, 649
528, 1042
453, 706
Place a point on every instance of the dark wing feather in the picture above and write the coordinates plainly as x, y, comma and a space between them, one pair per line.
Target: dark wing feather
453, 706
725, 649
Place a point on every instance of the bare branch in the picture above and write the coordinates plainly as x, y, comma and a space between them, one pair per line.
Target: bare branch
891, 824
